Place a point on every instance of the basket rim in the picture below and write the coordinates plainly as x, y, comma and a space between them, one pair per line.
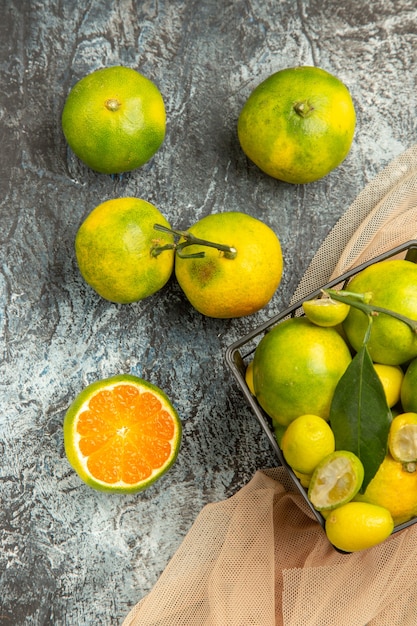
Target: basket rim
235, 362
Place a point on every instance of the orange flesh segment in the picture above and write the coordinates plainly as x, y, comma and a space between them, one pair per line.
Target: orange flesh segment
125, 434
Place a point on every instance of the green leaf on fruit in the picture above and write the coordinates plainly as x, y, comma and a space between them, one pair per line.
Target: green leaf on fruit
359, 414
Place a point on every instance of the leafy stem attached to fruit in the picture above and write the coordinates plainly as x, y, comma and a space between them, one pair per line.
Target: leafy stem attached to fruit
190, 240
361, 301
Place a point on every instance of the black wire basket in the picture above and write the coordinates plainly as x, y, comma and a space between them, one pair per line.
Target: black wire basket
240, 353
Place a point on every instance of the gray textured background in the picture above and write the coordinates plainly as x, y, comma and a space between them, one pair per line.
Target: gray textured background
69, 555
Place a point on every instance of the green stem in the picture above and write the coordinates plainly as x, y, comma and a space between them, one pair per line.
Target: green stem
361, 302
303, 108
112, 104
190, 240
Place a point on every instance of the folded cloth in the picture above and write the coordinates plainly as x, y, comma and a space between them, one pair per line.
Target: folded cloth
260, 558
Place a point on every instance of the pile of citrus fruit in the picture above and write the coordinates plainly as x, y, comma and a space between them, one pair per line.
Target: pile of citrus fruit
296, 126
123, 433
329, 406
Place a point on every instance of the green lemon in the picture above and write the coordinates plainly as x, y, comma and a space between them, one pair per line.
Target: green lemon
358, 526
306, 441
114, 250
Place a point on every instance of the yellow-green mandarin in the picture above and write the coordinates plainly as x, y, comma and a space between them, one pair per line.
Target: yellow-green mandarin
114, 246
114, 119
298, 124
392, 285
221, 286
296, 368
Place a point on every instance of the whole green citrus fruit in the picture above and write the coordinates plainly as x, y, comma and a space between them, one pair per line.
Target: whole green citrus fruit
298, 124
221, 285
296, 368
392, 285
114, 119
115, 246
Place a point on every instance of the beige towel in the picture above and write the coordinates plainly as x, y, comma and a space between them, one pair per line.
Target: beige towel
259, 558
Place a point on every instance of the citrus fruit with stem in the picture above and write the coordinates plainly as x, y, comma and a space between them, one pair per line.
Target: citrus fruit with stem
114, 250
306, 441
409, 388
296, 368
325, 311
114, 119
121, 434
394, 488
336, 480
298, 124
402, 439
358, 526
234, 281
392, 285
391, 377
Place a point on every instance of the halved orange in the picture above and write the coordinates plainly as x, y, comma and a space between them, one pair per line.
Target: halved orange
121, 434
